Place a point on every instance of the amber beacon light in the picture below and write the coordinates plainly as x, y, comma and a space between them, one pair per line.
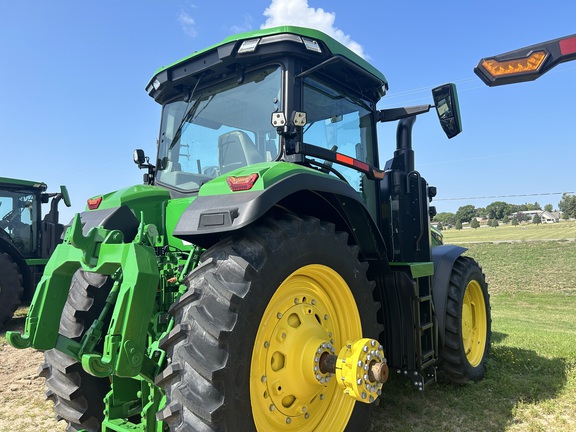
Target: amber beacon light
526, 64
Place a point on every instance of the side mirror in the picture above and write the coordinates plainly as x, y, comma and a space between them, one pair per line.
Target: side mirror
143, 161
139, 157
448, 109
65, 195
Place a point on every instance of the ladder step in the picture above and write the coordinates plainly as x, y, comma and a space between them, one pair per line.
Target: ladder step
428, 354
426, 326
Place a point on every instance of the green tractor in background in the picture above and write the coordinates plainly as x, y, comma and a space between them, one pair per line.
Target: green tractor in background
269, 273
26, 240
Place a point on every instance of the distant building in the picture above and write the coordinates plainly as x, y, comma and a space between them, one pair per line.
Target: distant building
545, 216
550, 217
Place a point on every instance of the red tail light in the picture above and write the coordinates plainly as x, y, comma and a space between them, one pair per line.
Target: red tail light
242, 183
94, 203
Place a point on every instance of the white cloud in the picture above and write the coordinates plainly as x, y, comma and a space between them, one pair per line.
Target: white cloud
188, 24
298, 13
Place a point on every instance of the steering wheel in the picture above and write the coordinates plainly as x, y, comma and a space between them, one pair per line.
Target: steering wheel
8, 218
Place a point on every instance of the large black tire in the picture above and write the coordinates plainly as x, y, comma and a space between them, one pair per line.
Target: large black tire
219, 349
468, 321
77, 395
11, 287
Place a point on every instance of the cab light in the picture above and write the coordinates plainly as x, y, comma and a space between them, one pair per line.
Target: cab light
516, 66
283, 37
311, 45
248, 46
242, 183
94, 203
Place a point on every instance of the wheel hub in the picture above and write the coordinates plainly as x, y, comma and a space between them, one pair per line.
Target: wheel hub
293, 377
301, 360
294, 369
361, 370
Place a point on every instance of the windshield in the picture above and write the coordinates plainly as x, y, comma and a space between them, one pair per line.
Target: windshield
17, 216
218, 129
340, 122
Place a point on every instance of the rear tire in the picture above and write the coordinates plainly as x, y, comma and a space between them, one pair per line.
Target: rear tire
281, 281
468, 324
77, 395
11, 287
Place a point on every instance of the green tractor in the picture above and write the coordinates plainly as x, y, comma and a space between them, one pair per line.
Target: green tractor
269, 274
26, 240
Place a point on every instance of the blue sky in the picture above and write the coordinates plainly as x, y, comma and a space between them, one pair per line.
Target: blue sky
73, 104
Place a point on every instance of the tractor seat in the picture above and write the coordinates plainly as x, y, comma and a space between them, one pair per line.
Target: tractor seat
235, 150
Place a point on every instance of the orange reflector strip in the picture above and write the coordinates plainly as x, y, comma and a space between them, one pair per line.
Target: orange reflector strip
517, 66
568, 46
352, 162
344, 159
242, 183
94, 203
362, 166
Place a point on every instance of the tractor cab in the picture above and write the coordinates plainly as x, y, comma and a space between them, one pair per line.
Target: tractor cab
285, 94
20, 207
257, 100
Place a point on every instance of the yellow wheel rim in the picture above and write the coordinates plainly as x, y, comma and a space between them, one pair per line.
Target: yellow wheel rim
313, 306
474, 323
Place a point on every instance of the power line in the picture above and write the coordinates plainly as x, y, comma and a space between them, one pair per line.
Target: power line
502, 196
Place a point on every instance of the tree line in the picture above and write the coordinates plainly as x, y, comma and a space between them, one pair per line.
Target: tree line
505, 212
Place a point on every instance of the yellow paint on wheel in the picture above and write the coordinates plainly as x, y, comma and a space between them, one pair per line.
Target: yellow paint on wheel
474, 323
312, 311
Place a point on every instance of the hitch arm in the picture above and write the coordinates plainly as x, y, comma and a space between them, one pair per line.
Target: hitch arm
101, 251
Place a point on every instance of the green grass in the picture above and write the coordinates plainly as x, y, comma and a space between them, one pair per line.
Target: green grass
530, 383
525, 232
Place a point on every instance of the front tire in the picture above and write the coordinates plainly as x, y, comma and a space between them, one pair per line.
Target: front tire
468, 324
11, 287
242, 349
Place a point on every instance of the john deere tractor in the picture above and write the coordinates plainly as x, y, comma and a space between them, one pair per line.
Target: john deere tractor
26, 240
269, 274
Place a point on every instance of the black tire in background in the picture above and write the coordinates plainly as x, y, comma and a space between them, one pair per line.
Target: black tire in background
11, 287
77, 395
223, 322
468, 321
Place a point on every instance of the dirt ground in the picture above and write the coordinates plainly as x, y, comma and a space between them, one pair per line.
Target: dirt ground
23, 405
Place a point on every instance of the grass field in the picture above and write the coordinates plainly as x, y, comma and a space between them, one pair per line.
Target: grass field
531, 380
524, 232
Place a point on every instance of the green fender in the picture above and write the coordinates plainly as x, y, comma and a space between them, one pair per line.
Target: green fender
444, 257
209, 216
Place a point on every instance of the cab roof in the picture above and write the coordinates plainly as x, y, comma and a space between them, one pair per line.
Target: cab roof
226, 53
6, 182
